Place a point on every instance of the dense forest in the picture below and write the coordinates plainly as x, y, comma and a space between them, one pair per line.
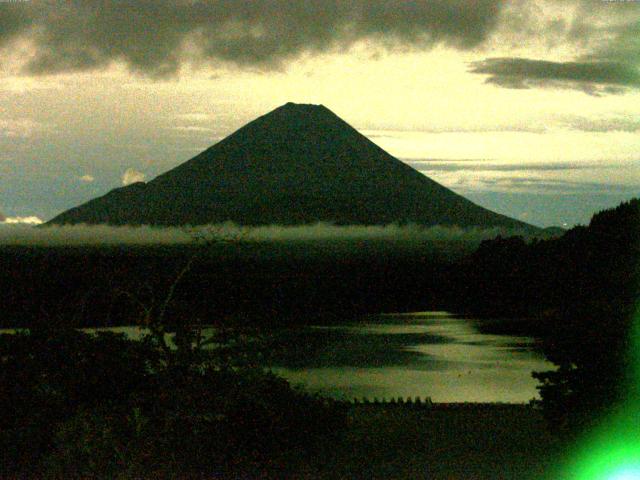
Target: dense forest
588, 265
578, 294
268, 283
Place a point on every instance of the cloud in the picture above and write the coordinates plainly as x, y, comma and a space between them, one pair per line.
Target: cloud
193, 128
147, 235
615, 124
21, 127
87, 178
21, 84
550, 185
195, 117
32, 220
480, 166
602, 36
486, 128
132, 176
592, 77
157, 36
14, 20
611, 29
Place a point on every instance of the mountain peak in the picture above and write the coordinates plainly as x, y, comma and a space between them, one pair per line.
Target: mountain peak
297, 164
297, 110
302, 106
292, 109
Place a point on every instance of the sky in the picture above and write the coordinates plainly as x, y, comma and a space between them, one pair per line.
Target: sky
528, 107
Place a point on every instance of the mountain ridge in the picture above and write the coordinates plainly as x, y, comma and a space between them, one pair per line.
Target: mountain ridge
298, 164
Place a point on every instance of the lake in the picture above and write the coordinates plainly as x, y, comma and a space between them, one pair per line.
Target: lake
426, 354
429, 354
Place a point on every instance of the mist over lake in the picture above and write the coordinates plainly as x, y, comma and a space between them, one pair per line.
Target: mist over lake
394, 234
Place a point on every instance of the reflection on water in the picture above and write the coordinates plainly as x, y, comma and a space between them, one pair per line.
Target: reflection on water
430, 354
423, 354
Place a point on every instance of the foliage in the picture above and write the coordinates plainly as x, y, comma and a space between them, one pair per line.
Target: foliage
47, 376
81, 405
581, 290
591, 353
592, 342
278, 282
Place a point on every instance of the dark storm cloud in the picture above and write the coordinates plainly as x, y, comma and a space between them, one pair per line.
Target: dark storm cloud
525, 73
155, 37
611, 30
14, 19
608, 34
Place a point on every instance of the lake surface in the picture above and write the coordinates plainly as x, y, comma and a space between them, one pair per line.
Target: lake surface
430, 354
427, 354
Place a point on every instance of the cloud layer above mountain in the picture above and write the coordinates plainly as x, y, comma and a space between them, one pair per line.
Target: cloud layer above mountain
155, 37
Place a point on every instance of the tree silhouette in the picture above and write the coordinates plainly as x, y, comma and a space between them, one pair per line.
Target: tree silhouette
592, 342
78, 405
580, 292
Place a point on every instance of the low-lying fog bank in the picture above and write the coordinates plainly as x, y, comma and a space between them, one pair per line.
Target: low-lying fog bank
26, 235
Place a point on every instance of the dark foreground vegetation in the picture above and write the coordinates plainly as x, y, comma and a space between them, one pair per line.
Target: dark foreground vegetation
578, 294
478, 442
80, 405
280, 282
75, 405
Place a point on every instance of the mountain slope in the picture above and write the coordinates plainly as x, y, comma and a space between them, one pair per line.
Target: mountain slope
297, 164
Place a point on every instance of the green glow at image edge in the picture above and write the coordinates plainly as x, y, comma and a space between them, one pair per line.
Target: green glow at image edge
612, 452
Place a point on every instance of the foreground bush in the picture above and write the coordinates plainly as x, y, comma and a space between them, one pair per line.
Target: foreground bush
78, 405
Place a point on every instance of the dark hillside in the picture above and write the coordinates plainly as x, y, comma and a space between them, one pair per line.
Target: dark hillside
589, 265
579, 294
271, 283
